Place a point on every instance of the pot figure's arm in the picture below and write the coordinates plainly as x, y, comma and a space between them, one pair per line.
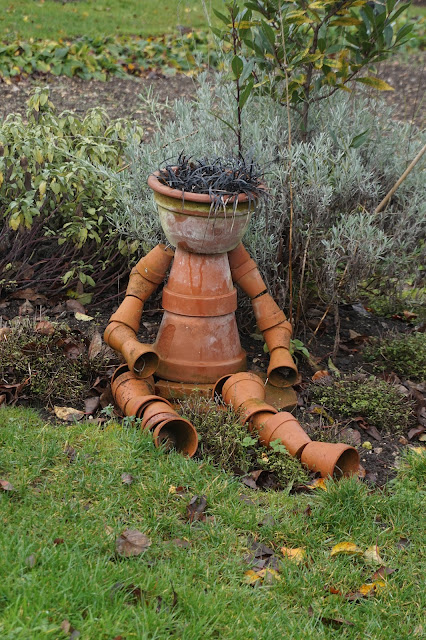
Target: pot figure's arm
276, 330
123, 325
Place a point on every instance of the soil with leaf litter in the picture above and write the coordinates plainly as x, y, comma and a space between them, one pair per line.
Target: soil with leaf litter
379, 440
119, 96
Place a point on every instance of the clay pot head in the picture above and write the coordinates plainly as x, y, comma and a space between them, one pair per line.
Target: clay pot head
176, 433
282, 372
282, 426
335, 460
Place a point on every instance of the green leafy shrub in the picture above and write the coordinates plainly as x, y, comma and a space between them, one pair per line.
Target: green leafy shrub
226, 441
301, 53
53, 368
405, 355
54, 194
377, 401
101, 57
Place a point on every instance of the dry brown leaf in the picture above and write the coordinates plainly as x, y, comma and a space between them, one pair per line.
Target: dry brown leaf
320, 374
75, 306
28, 294
195, 510
92, 404
297, 554
127, 478
66, 626
132, 543
5, 485
95, 345
382, 573
45, 328
68, 413
346, 548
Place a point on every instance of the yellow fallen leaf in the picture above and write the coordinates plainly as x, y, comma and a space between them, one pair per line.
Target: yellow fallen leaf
366, 589
372, 554
297, 555
346, 548
251, 577
68, 413
82, 316
172, 488
419, 450
268, 575
319, 483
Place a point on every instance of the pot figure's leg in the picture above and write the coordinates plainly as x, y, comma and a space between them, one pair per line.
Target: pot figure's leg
135, 397
245, 393
276, 330
123, 325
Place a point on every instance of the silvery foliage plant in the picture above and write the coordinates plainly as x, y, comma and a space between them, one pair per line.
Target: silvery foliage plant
354, 154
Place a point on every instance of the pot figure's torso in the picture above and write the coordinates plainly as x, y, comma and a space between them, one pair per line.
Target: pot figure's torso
189, 222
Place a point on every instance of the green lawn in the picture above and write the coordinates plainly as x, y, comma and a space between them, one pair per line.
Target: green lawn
59, 526
49, 19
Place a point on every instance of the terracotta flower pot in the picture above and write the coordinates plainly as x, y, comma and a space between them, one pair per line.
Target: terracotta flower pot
330, 459
154, 409
245, 273
130, 390
241, 387
140, 287
250, 407
154, 265
176, 433
188, 223
278, 336
218, 386
141, 358
267, 312
284, 427
149, 400
282, 371
129, 313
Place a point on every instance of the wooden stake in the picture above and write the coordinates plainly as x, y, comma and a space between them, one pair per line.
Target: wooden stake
389, 195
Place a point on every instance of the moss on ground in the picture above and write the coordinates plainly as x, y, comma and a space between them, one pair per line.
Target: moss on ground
404, 354
377, 401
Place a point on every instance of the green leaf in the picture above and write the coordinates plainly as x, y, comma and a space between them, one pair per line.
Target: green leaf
246, 93
359, 140
237, 65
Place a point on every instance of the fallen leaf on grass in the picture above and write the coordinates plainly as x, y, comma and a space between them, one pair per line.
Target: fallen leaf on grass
319, 483
178, 542
332, 622
132, 543
5, 485
264, 576
297, 554
58, 541
414, 432
366, 590
372, 555
195, 510
261, 556
68, 413
83, 317
70, 451
346, 548
127, 478
403, 543
382, 573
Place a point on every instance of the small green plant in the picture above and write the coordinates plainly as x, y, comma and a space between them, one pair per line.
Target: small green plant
377, 401
224, 440
404, 354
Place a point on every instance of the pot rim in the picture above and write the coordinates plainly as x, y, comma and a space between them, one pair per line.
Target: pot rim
204, 198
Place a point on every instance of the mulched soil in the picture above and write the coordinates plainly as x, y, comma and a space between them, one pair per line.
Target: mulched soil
120, 96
